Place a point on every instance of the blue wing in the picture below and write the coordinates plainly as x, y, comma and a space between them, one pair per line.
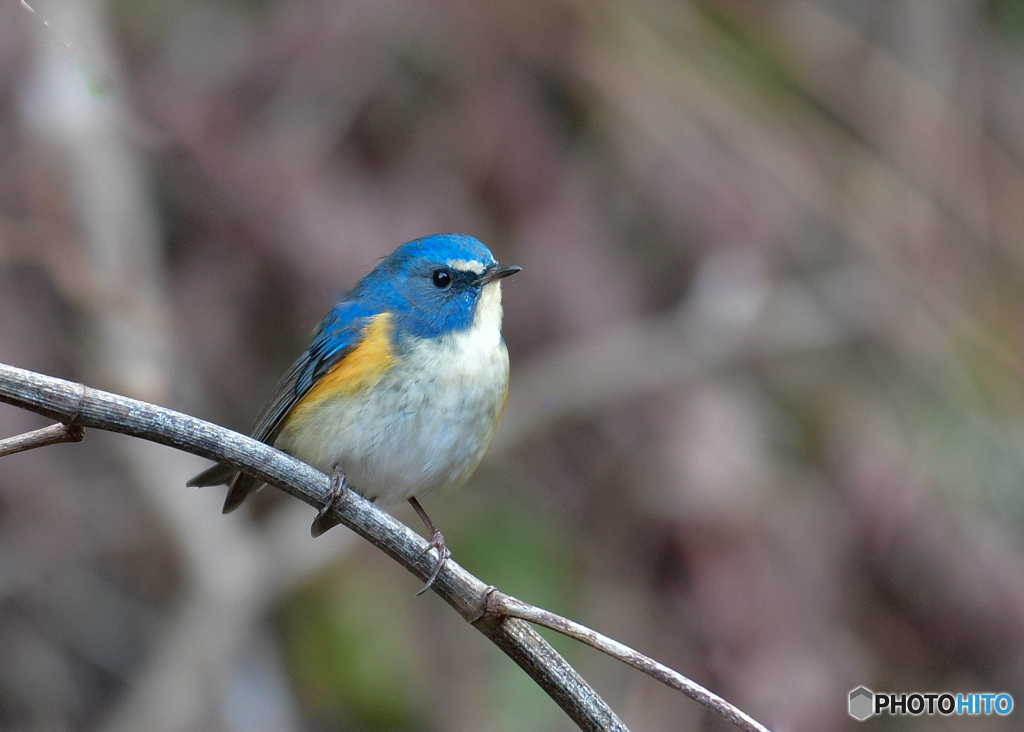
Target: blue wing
335, 337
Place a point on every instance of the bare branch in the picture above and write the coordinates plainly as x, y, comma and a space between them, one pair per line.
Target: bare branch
506, 605
498, 616
52, 435
464, 592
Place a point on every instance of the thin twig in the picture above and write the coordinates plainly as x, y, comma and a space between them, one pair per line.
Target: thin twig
500, 603
52, 435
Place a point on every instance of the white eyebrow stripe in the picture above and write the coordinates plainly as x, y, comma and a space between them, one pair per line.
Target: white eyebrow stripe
467, 265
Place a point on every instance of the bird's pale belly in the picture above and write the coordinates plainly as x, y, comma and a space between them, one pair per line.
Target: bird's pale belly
423, 427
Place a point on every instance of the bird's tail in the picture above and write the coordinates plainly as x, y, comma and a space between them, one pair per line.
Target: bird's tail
239, 484
217, 475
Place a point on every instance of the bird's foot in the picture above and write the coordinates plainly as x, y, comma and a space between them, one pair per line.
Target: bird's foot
325, 520
436, 542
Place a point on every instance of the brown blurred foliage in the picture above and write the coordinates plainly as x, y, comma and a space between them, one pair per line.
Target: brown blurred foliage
766, 419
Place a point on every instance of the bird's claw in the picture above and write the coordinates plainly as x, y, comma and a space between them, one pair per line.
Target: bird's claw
436, 542
324, 520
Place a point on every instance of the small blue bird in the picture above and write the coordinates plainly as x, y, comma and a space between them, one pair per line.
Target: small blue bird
401, 389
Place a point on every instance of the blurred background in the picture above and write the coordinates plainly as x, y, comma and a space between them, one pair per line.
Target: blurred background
766, 420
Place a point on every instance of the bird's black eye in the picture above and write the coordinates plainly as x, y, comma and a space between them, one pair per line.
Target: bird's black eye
441, 279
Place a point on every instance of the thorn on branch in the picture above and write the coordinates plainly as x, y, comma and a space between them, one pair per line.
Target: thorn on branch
52, 435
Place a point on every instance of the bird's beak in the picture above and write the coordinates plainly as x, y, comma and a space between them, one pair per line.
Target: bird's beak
497, 272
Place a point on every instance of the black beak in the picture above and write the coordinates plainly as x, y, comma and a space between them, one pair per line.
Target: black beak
497, 273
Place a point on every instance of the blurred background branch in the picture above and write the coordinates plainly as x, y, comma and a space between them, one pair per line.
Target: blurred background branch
766, 348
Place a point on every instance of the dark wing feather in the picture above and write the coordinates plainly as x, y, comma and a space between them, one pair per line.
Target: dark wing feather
337, 335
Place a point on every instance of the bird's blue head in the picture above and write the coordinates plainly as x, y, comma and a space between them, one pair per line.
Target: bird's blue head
433, 285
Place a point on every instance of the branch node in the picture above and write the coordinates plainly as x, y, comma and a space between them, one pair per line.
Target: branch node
488, 608
79, 401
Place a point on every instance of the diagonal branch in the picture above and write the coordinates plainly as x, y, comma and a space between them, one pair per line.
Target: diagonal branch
52, 435
471, 598
464, 592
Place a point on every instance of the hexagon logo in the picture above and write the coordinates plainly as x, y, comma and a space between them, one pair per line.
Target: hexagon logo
862, 702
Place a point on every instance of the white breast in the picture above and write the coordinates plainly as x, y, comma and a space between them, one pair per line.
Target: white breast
426, 425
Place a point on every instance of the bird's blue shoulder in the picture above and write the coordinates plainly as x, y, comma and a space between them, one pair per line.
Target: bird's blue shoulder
337, 335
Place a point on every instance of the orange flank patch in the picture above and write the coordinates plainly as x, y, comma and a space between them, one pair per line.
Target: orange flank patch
360, 369
504, 403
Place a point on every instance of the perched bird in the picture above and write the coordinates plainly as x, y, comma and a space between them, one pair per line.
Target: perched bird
400, 391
